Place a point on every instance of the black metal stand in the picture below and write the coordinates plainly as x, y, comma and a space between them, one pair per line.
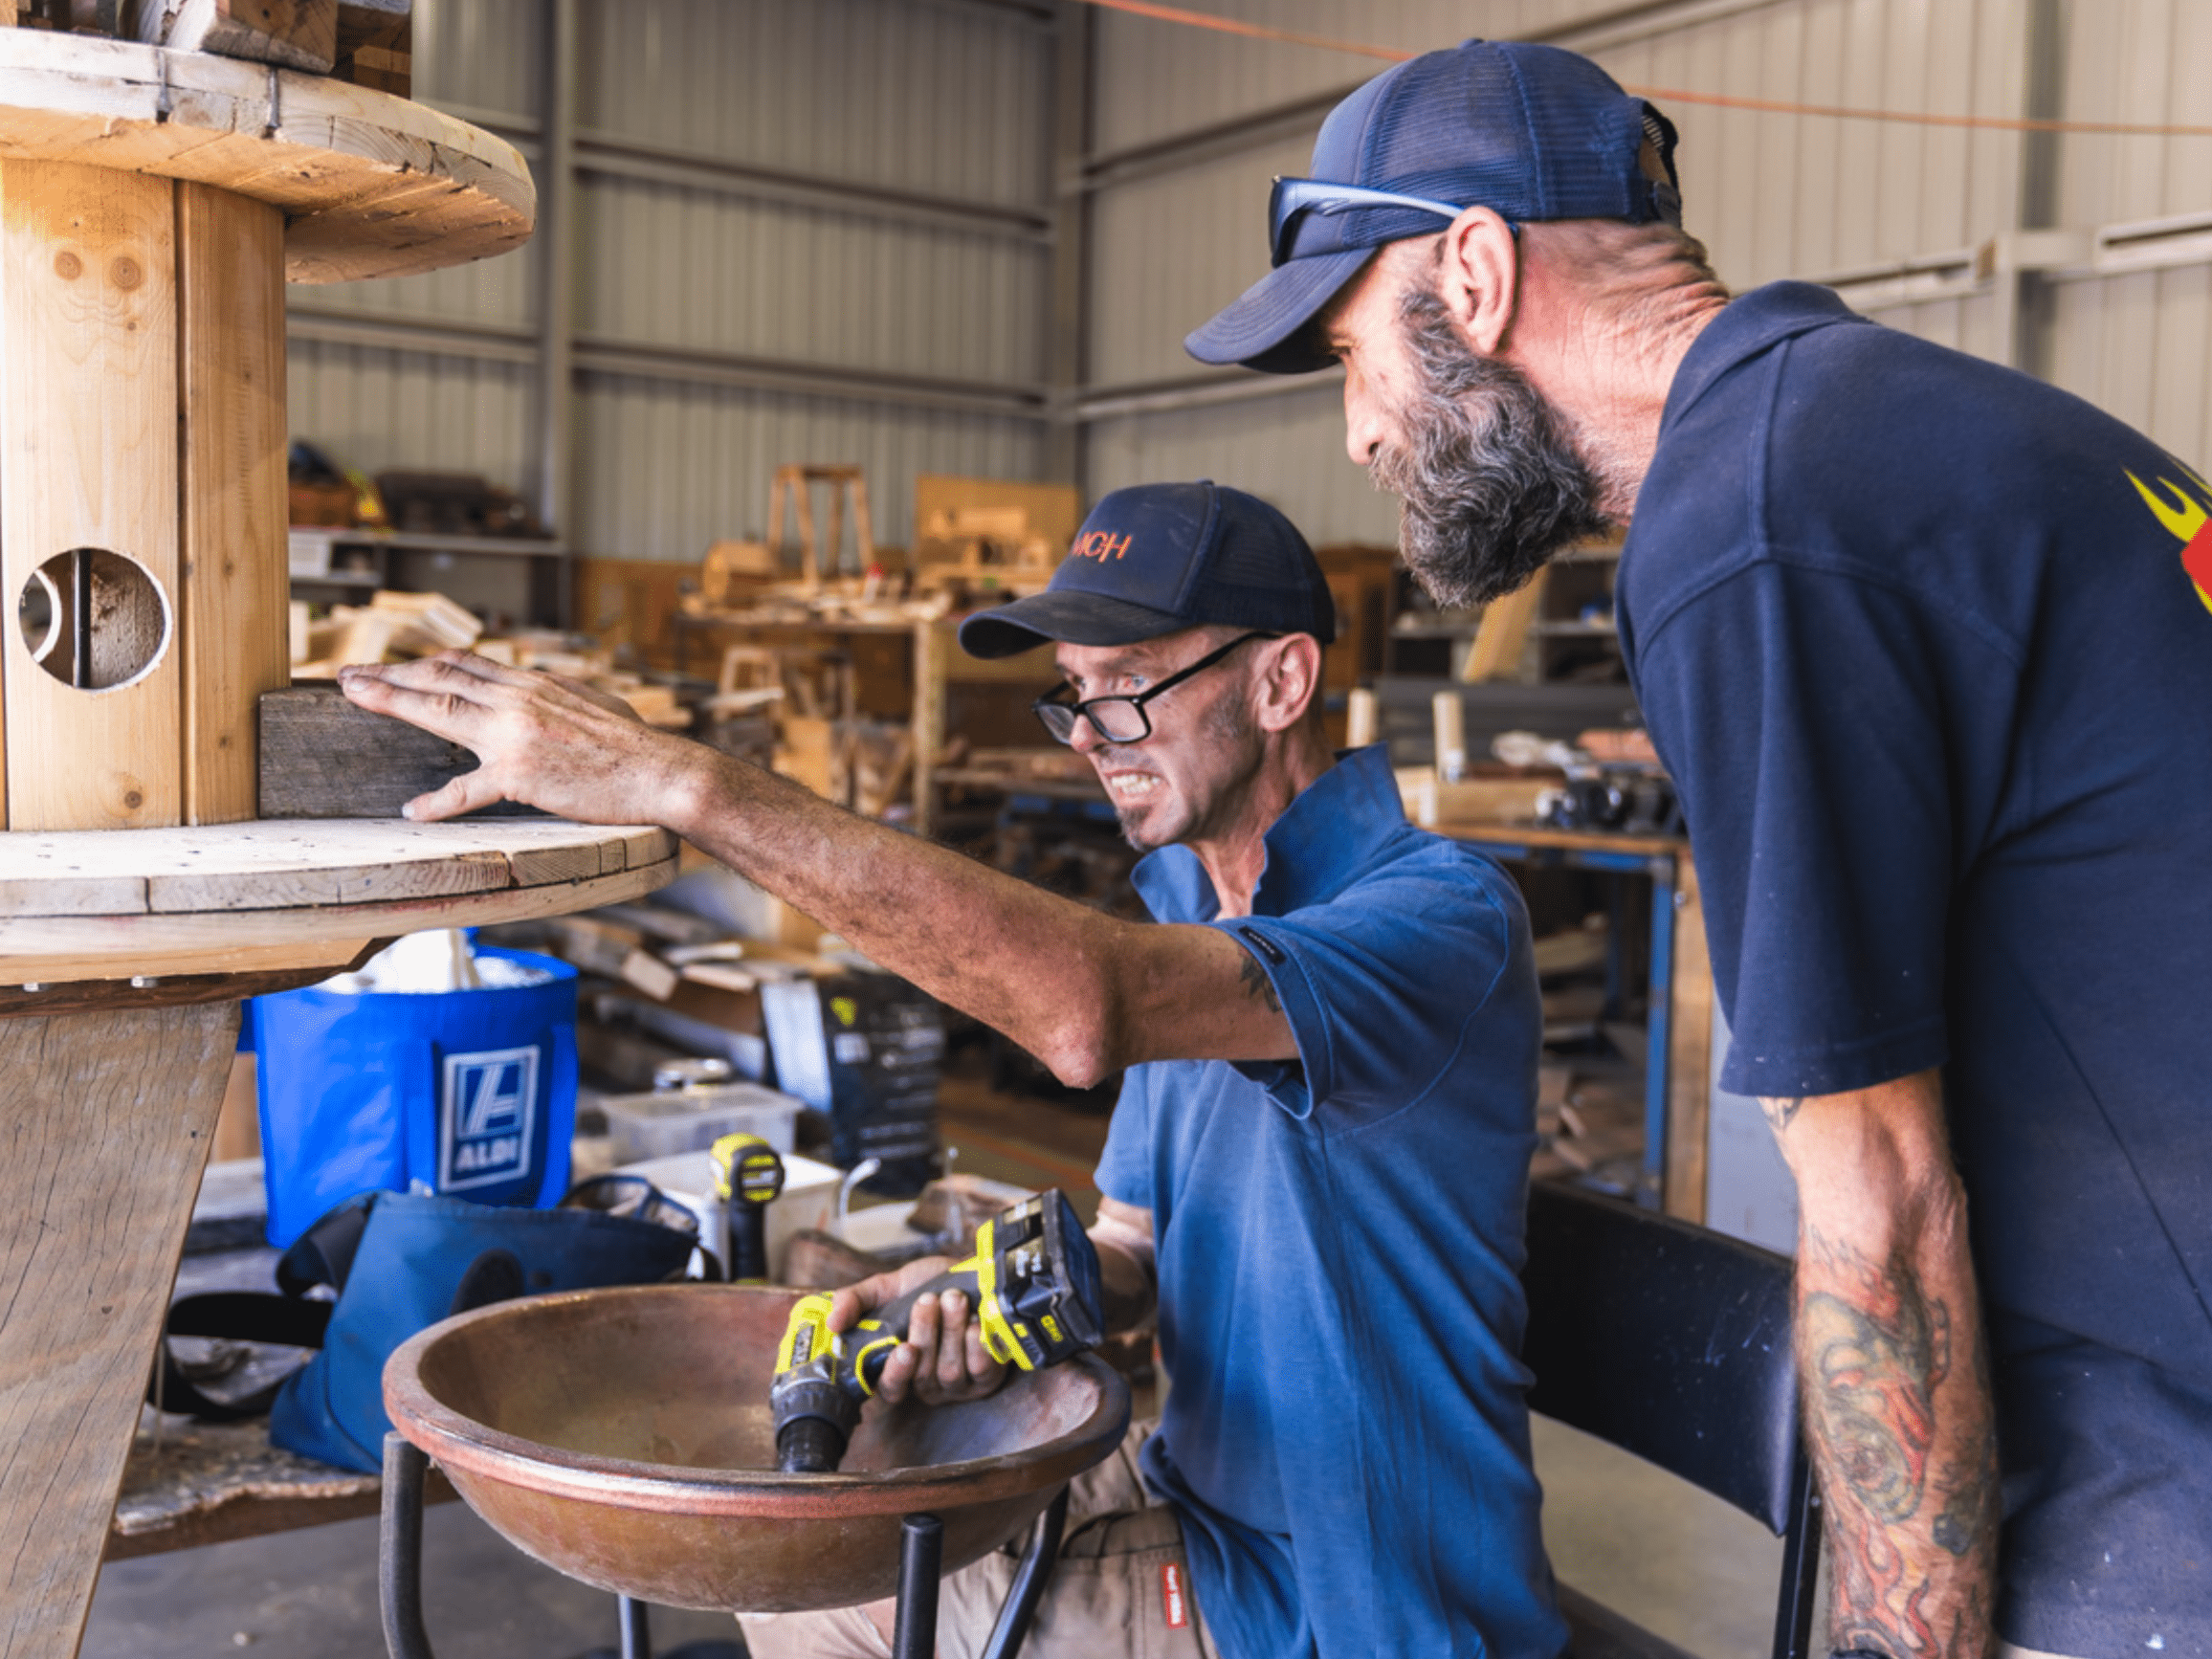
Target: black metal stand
399, 1573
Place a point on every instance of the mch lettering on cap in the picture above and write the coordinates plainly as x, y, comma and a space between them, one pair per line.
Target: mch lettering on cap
1171, 1602
1099, 544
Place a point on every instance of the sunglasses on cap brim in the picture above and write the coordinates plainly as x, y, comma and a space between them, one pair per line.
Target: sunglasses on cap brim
1295, 204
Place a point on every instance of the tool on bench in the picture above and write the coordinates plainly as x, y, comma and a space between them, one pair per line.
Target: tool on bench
1033, 1282
748, 1175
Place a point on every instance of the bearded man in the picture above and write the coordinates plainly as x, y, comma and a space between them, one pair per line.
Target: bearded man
1925, 644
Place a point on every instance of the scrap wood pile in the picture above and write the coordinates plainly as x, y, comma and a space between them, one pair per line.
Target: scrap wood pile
394, 626
366, 42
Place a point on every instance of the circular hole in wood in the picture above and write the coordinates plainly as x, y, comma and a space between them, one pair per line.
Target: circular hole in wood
93, 619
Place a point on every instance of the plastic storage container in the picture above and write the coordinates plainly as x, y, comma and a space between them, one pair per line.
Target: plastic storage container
666, 1122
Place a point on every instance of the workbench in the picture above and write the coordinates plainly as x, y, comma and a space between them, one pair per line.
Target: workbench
1679, 1033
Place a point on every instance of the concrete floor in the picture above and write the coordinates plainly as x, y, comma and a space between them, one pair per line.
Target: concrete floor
1684, 1565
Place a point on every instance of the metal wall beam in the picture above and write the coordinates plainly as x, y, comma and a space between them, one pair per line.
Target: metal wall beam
612, 156
1068, 316
604, 353
556, 251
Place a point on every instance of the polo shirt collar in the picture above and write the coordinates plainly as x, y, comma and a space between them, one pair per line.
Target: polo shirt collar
1747, 326
1314, 850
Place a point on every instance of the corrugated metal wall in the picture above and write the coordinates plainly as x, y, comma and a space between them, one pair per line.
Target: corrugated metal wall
1894, 210
823, 231
832, 267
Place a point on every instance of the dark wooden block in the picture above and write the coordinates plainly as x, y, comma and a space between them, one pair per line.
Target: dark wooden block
323, 758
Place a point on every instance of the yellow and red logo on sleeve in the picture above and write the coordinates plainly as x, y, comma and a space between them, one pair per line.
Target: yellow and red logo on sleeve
2187, 517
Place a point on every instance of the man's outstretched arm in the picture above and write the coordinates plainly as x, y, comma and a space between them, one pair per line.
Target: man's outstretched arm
1894, 1370
1085, 992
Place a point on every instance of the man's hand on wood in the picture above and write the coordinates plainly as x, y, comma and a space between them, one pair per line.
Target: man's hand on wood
542, 740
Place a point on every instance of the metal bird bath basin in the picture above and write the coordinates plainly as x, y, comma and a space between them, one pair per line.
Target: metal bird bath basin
622, 1437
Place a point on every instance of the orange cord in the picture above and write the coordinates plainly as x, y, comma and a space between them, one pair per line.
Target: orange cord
1670, 94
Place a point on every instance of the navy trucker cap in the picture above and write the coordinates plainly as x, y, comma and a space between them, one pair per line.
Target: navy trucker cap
1531, 132
1156, 559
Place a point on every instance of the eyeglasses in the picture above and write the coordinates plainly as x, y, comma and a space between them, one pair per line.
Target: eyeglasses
1122, 720
1295, 203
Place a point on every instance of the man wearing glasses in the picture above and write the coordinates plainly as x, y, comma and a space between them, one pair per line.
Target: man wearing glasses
1926, 645
1317, 1171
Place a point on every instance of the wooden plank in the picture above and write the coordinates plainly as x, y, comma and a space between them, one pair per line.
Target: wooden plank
249, 969
166, 990
61, 948
1497, 650
89, 1243
1690, 1052
235, 599
88, 459
297, 33
329, 883
324, 757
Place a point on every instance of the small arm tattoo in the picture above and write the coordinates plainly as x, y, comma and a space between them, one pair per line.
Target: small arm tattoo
1779, 1113
1257, 986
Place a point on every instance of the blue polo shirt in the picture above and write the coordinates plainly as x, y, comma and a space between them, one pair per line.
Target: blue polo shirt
1927, 645
1339, 1244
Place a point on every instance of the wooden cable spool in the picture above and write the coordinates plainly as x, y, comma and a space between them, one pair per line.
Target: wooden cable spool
153, 204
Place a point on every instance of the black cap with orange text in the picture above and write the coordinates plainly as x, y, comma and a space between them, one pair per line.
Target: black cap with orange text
1155, 559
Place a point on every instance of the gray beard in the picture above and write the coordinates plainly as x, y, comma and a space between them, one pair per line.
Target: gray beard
1492, 485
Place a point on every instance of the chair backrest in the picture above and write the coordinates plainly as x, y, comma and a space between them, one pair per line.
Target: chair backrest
1673, 1343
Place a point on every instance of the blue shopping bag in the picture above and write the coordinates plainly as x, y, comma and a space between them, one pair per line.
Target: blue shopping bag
467, 1093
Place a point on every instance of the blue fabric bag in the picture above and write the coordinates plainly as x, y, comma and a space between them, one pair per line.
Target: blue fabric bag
471, 1093
400, 1263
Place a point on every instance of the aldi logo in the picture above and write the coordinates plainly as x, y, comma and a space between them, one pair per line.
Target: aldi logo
486, 1110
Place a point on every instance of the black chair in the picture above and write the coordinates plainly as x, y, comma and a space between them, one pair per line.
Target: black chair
1672, 1342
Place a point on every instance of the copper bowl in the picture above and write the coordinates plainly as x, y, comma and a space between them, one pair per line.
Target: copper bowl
622, 1438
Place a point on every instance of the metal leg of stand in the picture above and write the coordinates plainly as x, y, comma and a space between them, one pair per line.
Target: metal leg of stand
636, 1630
921, 1561
1029, 1585
399, 1556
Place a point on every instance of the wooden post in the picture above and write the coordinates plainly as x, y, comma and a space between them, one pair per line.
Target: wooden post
929, 666
1363, 718
237, 588
1689, 1051
106, 1121
1448, 716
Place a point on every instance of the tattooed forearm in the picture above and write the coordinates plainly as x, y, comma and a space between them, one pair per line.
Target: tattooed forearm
1258, 986
1904, 1463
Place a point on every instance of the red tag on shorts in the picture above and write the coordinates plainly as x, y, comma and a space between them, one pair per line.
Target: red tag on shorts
1171, 1602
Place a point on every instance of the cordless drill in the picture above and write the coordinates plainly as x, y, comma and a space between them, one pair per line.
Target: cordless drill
748, 1175
1033, 1282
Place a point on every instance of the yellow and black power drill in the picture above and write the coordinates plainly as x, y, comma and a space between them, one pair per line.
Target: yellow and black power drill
748, 1175
1032, 1283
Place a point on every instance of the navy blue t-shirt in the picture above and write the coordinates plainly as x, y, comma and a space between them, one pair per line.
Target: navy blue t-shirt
1927, 645
1340, 1245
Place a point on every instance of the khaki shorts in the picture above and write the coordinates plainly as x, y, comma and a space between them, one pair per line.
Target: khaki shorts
1120, 1587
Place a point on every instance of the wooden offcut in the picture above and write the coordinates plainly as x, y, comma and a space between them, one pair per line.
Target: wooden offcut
86, 1262
322, 757
297, 33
